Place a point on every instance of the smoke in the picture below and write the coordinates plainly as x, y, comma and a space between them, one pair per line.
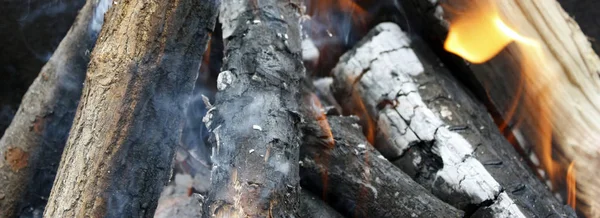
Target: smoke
98, 19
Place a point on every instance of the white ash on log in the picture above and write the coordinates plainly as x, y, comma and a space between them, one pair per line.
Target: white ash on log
31, 147
356, 180
559, 102
433, 130
254, 123
142, 71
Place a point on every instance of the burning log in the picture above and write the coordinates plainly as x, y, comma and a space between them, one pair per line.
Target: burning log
430, 128
31, 147
118, 155
356, 180
254, 122
545, 82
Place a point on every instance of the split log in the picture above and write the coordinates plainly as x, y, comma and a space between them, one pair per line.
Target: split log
254, 122
119, 152
30, 31
554, 100
356, 180
32, 145
433, 130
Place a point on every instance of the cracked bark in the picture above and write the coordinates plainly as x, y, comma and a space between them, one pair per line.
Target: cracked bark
32, 145
142, 70
254, 122
416, 128
568, 77
356, 180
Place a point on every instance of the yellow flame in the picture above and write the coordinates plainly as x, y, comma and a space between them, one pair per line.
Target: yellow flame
479, 34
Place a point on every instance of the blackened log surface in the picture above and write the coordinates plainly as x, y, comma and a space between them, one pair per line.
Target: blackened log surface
436, 132
254, 122
142, 71
359, 182
29, 32
312, 206
32, 145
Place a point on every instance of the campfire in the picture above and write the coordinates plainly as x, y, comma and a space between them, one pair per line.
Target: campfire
338, 108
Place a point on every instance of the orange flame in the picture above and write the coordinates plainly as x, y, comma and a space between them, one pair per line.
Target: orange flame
479, 34
571, 186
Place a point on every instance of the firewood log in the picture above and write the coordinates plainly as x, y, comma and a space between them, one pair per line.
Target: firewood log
30, 31
312, 206
253, 124
433, 130
356, 180
31, 147
142, 70
564, 86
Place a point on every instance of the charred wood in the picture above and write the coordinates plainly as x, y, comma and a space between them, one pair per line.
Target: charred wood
433, 130
356, 180
312, 206
253, 124
142, 71
31, 147
546, 97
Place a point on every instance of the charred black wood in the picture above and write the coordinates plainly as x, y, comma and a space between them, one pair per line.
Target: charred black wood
356, 180
312, 206
254, 123
434, 130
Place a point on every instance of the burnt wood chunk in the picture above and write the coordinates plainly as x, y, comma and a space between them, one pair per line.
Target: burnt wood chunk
433, 130
142, 71
547, 96
254, 122
358, 181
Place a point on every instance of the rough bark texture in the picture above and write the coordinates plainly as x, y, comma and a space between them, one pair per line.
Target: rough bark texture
356, 180
119, 152
32, 145
433, 130
552, 100
254, 123
30, 31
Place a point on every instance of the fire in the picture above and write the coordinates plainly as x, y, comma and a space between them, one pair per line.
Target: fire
478, 34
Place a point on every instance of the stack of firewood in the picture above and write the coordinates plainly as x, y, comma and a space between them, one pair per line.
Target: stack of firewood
390, 132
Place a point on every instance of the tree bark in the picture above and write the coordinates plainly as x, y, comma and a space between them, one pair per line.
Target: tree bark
254, 123
356, 180
30, 31
119, 152
32, 145
430, 128
553, 101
